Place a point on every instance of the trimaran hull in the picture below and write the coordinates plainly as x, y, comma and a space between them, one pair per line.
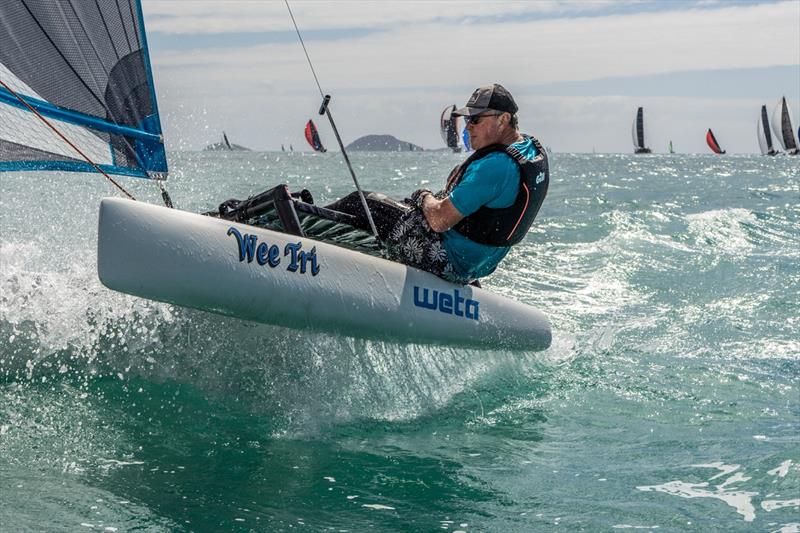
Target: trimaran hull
276, 278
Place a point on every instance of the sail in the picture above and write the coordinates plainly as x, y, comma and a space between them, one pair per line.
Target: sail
782, 126
465, 139
312, 136
670, 147
712, 142
448, 125
763, 133
226, 142
83, 67
637, 132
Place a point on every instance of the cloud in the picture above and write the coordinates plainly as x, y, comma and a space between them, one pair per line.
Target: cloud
522, 53
397, 80
232, 16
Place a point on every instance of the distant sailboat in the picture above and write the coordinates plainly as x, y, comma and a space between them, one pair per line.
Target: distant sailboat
670, 147
782, 126
764, 134
448, 125
712, 142
312, 136
283, 149
291, 148
638, 134
224, 145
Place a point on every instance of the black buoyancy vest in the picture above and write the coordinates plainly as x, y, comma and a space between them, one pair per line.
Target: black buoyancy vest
506, 226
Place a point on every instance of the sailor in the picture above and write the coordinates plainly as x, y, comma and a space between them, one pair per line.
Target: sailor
489, 202
462, 232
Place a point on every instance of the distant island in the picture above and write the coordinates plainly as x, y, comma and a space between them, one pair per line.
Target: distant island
382, 143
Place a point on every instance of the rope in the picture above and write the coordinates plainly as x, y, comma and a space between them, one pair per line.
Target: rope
324, 109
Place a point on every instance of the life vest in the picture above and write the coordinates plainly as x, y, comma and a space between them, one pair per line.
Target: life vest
506, 226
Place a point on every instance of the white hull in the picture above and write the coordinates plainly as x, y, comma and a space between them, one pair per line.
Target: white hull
194, 261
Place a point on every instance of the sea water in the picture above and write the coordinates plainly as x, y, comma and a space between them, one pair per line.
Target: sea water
668, 401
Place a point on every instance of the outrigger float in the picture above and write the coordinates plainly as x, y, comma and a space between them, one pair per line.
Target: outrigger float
258, 262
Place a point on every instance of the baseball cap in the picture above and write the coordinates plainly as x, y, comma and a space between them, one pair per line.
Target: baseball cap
489, 97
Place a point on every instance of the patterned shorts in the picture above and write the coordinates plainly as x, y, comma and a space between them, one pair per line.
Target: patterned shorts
413, 242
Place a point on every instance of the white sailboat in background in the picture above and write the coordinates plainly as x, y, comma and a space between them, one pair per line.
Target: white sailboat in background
782, 126
448, 126
637, 130
764, 134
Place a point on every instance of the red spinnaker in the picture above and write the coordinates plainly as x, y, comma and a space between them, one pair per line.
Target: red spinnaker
312, 136
712, 142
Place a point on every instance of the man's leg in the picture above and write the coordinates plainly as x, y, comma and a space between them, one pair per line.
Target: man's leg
414, 243
385, 211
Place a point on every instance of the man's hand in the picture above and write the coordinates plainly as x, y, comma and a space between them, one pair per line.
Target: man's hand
418, 196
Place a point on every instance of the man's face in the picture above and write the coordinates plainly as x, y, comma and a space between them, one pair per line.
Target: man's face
488, 130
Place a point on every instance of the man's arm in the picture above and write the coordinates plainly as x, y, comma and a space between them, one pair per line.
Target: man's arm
440, 214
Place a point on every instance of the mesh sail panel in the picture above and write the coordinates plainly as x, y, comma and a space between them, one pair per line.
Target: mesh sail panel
83, 65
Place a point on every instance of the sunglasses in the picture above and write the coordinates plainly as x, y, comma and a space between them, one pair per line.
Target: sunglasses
476, 119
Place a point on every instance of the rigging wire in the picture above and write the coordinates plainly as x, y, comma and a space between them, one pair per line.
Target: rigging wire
325, 110
64, 138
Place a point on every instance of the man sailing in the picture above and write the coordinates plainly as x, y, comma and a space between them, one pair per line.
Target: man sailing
488, 204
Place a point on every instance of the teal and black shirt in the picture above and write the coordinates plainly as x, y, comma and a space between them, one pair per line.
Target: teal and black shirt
492, 181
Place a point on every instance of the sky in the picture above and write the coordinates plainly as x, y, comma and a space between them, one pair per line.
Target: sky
578, 69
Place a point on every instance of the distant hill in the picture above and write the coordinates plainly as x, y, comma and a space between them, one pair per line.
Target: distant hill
382, 143
222, 147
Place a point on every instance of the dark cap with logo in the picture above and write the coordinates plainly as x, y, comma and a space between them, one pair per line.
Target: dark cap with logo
492, 97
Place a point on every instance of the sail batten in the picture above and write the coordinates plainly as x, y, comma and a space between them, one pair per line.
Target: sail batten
73, 117
84, 65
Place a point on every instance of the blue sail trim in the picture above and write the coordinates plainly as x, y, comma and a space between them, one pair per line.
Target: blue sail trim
149, 147
70, 166
74, 117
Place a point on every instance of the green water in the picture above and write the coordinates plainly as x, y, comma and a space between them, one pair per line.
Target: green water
668, 401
